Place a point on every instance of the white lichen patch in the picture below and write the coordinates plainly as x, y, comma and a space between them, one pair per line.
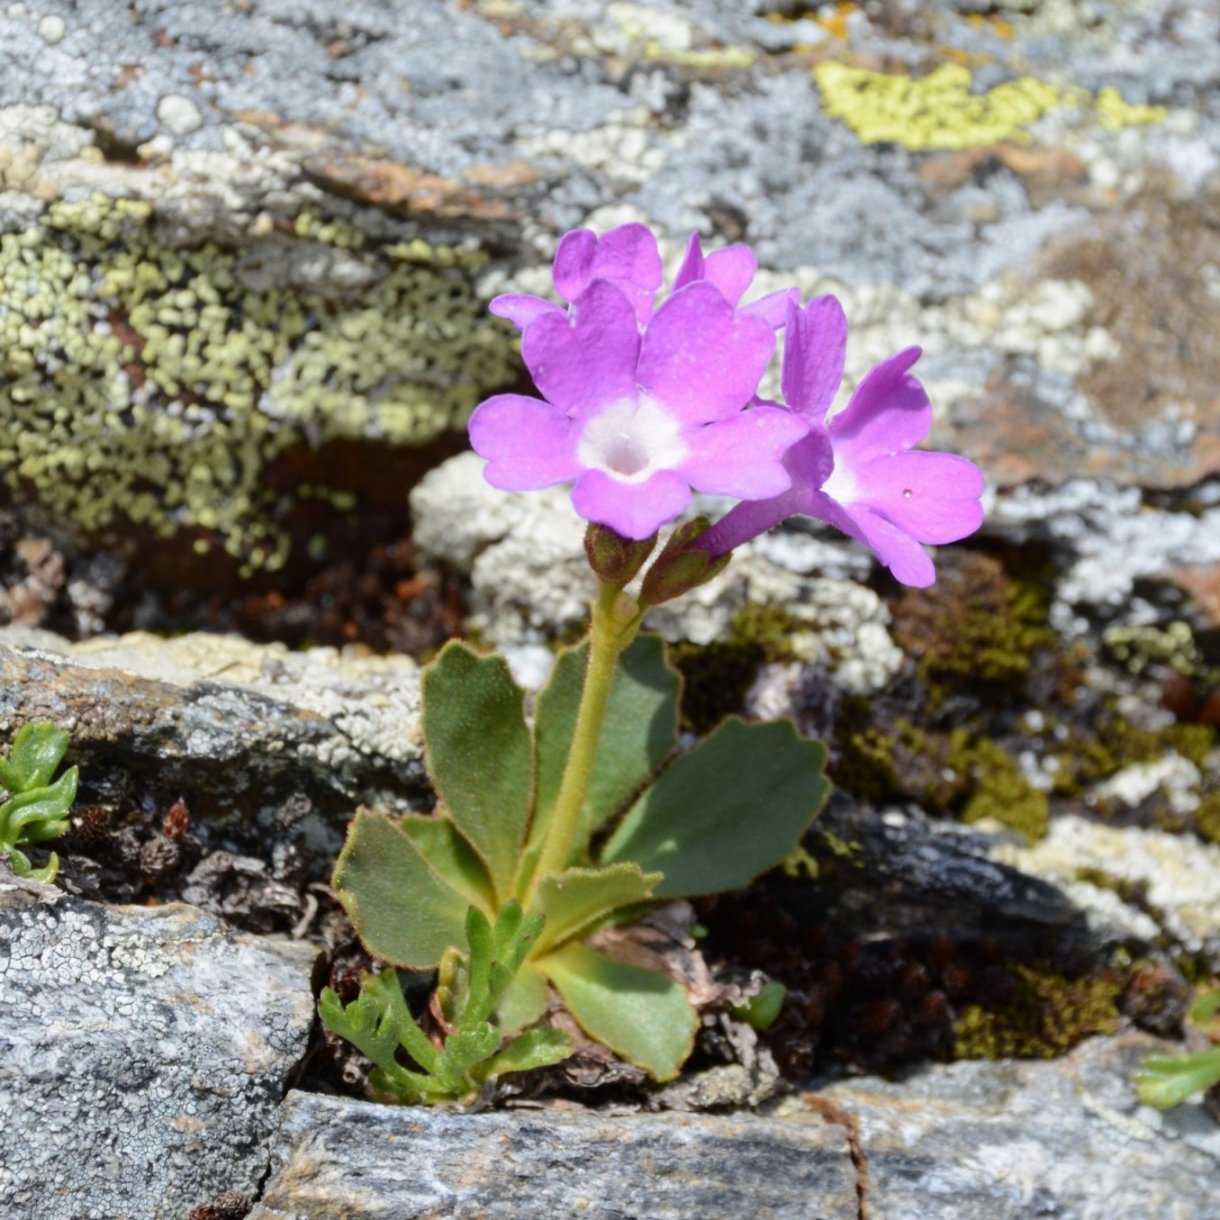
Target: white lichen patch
1179, 876
1174, 776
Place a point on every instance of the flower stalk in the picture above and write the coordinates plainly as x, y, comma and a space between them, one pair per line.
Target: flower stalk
615, 621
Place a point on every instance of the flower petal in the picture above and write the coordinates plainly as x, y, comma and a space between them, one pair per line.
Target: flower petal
692, 264
635, 510
527, 442
585, 361
810, 461
934, 497
815, 347
742, 456
522, 308
888, 412
731, 270
702, 359
627, 255
905, 558
772, 308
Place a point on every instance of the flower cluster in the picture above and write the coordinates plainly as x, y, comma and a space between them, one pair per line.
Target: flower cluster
643, 402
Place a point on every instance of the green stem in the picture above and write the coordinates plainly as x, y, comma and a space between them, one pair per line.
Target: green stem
615, 621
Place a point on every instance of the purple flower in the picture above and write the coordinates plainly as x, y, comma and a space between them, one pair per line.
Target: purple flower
732, 270
626, 256
638, 418
861, 472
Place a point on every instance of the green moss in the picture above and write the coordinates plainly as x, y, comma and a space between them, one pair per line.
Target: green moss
718, 675
1207, 817
1172, 645
1000, 791
151, 384
1043, 1015
1113, 743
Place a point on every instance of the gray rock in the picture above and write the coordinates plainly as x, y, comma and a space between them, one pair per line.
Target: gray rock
143, 1055
236, 728
344, 1158
1012, 1140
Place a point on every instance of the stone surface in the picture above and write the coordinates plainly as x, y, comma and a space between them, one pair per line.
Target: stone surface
339, 1158
234, 727
1018, 1139
143, 1055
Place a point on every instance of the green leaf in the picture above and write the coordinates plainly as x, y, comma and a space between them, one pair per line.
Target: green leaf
378, 1022
464, 1051
1205, 1008
732, 808
642, 1016
405, 913
38, 814
524, 1001
1166, 1081
480, 754
37, 750
641, 730
536, 1048
576, 900
440, 843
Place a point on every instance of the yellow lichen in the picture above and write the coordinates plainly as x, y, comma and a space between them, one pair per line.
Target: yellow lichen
940, 110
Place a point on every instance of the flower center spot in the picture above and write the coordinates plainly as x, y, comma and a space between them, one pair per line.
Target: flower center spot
631, 441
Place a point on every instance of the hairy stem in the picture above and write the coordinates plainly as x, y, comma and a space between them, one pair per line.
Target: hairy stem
615, 621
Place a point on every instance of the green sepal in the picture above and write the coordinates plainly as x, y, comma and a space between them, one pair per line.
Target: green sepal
480, 754
1168, 1080
404, 912
641, 731
642, 1016
440, 842
523, 1001
727, 811
536, 1048
576, 901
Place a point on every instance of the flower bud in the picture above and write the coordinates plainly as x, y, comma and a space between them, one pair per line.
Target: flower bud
612, 557
681, 566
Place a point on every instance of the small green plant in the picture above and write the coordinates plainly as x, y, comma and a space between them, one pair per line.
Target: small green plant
34, 810
1168, 1080
379, 1024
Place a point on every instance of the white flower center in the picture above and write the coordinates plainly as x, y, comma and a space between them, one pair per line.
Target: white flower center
841, 486
631, 442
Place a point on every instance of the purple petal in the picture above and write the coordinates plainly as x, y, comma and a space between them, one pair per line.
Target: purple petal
702, 359
521, 308
742, 456
934, 497
586, 361
635, 510
815, 346
627, 255
905, 558
888, 412
772, 308
731, 270
811, 460
692, 264
527, 442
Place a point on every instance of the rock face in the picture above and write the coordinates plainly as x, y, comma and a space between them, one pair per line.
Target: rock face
143, 1055
1013, 1140
338, 1158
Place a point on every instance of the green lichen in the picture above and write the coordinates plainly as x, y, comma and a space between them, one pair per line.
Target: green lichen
940, 111
1173, 645
1043, 1015
152, 384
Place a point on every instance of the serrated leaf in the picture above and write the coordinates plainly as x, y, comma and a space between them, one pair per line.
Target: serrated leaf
378, 1022
578, 899
523, 1001
1166, 1081
729, 810
440, 843
642, 1016
465, 1050
480, 754
37, 750
536, 1048
38, 814
404, 912
641, 730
